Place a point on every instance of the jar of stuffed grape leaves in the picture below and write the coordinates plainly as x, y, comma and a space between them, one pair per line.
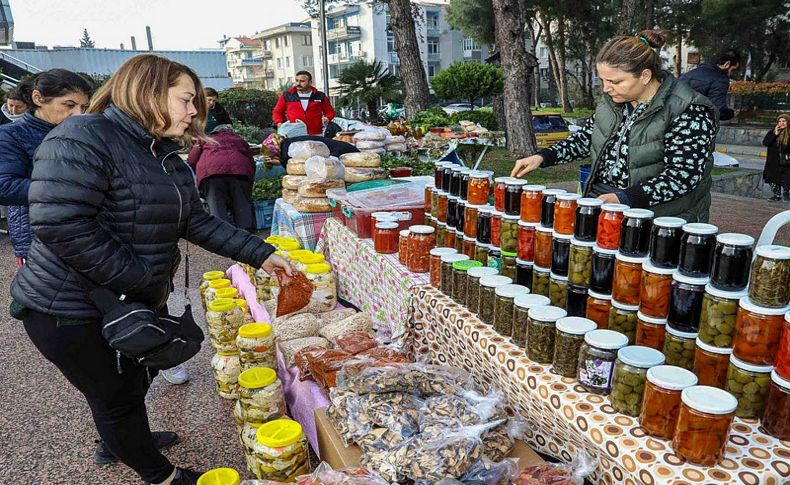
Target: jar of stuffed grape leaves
513, 188
685, 302
630, 375
770, 277
488, 286
596, 359
704, 423
622, 318
521, 306
627, 279
524, 273
732, 258
558, 290
503, 307
679, 347
547, 206
665, 241
661, 400
576, 304
635, 232
776, 417
696, 249
609, 225
750, 384
655, 290
758, 332
543, 243
711, 364
585, 226
459, 279
526, 240
580, 262
541, 331
484, 215
568, 340
540, 280
531, 202
598, 307
447, 271
650, 331
602, 270
473, 276
565, 213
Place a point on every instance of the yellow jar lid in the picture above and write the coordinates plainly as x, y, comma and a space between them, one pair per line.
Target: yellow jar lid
289, 245
279, 433
255, 330
220, 476
319, 268
313, 259
287, 239
274, 238
241, 303
217, 284
213, 275
228, 353
299, 254
280, 254
257, 377
227, 292
221, 305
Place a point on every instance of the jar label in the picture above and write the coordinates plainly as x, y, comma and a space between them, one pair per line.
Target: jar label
596, 373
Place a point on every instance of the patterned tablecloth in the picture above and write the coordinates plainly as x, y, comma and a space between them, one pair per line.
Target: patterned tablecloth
304, 227
375, 283
566, 417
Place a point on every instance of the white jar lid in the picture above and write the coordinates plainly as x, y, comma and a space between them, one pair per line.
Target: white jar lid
486, 209
386, 225
457, 168
554, 191
557, 277
576, 325
557, 235
568, 196
418, 229
671, 378
522, 262
759, 369
442, 251
477, 174
639, 214
653, 320
542, 228
690, 280
623, 306
494, 281
773, 252
496, 212
546, 313
712, 348
599, 249
684, 335
473, 206
590, 202
642, 357
779, 380
649, 267
598, 296
469, 238
615, 207
453, 257
501, 180
582, 244
606, 339
735, 239
511, 291
541, 269
700, 228
405, 233
631, 259
709, 400
669, 222
516, 182
528, 224
481, 271
510, 217
531, 300
534, 188
727, 295
750, 307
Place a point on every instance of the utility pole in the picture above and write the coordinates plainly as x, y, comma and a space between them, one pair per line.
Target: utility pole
324, 45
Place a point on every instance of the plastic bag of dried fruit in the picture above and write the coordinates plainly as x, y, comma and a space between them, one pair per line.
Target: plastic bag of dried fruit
486, 472
467, 408
581, 467
325, 475
295, 292
422, 380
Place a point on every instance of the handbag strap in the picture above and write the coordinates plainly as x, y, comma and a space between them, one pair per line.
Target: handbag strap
186, 263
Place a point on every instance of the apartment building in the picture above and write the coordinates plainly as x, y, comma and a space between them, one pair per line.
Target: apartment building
245, 65
285, 50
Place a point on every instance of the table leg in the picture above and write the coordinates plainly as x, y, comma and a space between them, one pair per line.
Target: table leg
480, 158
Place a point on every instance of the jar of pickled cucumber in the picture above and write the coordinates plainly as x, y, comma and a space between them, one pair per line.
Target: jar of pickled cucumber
718, 316
248, 440
226, 368
622, 318
655, 290
481, 252
503, 307
524, 273
560, 253
521, 306
679, 347
661, 399
770, 277
508, 267
627, 279
211, 292
576, 304
508, 240
540, 280
488, 286
704, 423
650, 332
630, 375
758, 332
685, 302
223, 320
281, 451
447, 271
602, 270
261, 394
255, 342
776, 417
473, 276
568, 340
711, 364
541, 331
558, 290
543, 241
596, 359
580, 262
494, 258
750, 384
459, 279
208, 277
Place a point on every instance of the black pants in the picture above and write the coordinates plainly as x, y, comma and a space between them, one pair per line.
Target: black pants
117, 401
230, 198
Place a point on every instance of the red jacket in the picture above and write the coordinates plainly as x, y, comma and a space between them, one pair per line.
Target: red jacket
289, 108
231, 155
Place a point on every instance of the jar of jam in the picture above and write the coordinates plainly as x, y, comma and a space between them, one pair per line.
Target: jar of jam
685, 302
576, 305
427, 202
524, 273
659, 415
500, 188
655, 290
598, 307
436, 265
635, 232
547, 206
455, 180
503, 307
377, 217
403, 247
558, 290
541, 332
469, 247
596, 359
481, 252
585, 226
665, 241
521, 307
449, 238
447, 175
526, 240
679, 347
770, 277
473, 276
565, 213
437, 174
479, 188
540, 280
420, 242
627, 279
484, 215
703, 427
560, 253
508, 239
441, 207
470, 220
508, 267
465, 177
385, 240
460, 211
750, 384
711, 364
543, 243
452, 212
568, 341
758, 332
496, 228
776, 417
630, 375
494, 258
783, 354
696, 249
622, 318
650, 331
732, 258
513, 189
441, 234
580, 262
602, 270
459, 241
718, 317
488, 286
448, 260
531, 200
460, 278
609, 225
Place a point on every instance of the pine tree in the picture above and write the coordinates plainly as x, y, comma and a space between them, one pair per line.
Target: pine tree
86, 40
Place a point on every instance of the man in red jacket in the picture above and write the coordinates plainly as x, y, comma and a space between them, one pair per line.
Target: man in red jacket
306, 103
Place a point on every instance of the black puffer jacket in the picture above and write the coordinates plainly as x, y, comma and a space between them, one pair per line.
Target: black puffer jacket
109, 201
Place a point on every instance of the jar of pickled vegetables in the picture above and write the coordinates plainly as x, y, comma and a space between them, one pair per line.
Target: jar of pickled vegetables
598, 307
585, 226
470, 220
547, 206
403, 247
565, 213
627, 279
484, 215
211, 292
540, 280
776, 417
568, 340
630, 375
558, 290
448, 260
509, 234
580, 262
711, 364
661, 400
679, 347
496, 228
513, 188
703, 427
602, 270
385, 240
531, 200
481, 252
494, 258
521, 307
783, 354
255, 342
441, 207
685, 302
524, 273
208, 277
609, 225
261, 395
435, 203
455, 180
508, 267
479, 188
488, 286
503, 307
541, 332
770, 277
650, 331
459, 279
226, 368
576, 304
427, 201
596, 359
469, 247
543, 246
526, 240
500, 188
750, 384
238, 417
732, 258
449, 238
635, 232
436, 264
441, 235
665, 241
459, 241
281, 451
248, 440
696, 249
622, 318
230, 293
223, 320
655, 290
560, 253
473, 276
758, 332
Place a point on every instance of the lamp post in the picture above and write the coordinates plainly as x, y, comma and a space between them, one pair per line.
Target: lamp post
324, 45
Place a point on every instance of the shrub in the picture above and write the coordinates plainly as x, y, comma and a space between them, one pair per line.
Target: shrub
431, 117
470, 80
483, 116
252, 134
249, 106
418, 167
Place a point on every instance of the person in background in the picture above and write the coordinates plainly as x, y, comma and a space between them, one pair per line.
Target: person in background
305, 103
777, 161
216, 112
15, 105
53, 96
225, 173
712, 80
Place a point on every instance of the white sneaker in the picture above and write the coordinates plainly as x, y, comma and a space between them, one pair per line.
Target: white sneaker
176, 375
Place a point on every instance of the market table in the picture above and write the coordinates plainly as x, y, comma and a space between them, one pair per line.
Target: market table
375, 283
565, 417
304, 227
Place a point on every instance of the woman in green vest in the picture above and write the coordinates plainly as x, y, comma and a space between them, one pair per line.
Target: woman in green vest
651, 139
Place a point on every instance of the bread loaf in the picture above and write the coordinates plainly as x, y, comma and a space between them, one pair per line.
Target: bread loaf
354, 175
291, 182
390, 140
369, 145
324, 168
307, 149
312, 204
295, 166
361, 160
378, 136
290, 196
314, 188
396, 147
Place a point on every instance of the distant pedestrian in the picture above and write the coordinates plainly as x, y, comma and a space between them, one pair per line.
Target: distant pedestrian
305, 103
15, 105
216, 112
777, 161
712, 80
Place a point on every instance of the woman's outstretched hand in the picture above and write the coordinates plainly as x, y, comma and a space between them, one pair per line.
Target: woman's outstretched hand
274, 261
526, 165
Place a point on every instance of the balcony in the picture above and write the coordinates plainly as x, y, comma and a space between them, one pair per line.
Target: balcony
343, 32
434, 57
432, 31
262, 54
345, 57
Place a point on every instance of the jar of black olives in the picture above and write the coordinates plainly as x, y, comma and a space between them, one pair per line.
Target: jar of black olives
547, 206
447, 175
484, 214
732, 258
685, 302
567, 342
585, 226
524, 273
665, 241
541, 331
452, 212
513, 188
576, 304
597, 358
465, 176
460, 208
455, 180
560, 253
635, 232
521, 306
696, 249
602, 270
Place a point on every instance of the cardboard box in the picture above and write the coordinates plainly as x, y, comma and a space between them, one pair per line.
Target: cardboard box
337, 455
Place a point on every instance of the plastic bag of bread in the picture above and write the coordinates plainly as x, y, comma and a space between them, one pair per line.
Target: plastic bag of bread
361, 160
292, 182
324, 168
312, 204
354, 175
317, 188
369, 145
289, 348
290, 196
396, 147
295, 292
295, 166
360, 322
370, 135
307, 149
391, 140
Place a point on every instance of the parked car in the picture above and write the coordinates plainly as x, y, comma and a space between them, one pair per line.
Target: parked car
549, 129
451, 109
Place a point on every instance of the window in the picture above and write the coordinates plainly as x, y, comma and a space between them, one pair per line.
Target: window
544, 72
277, 42
285, 39
433, 46
288, 61
307, 40
433, 20
307, 61
544, 52
431, 70
390, 42
470, 44
279, 63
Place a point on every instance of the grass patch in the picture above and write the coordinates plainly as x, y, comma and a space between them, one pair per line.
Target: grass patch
576, 113
501, 163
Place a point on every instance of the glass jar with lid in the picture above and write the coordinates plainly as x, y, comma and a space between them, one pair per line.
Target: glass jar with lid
543, 246
635, 232
255, 342
783, 354
500, 188
558, 290
281, 451
403, 247
521, 307
208, 277
541, 331
679, 347
479, 188
460, 278
484, 215
655, 290
732, 258
650, 331
437, 174
226, 368
585, 226
436, 265
565, 213
261, 395
509, 235
630, 375
421, 240
685, 302
496, 228
503, 307
609, 225
449, 238
452, 212
470, 220
622, 318
627, 279
473, 276
481, 252
665, 241
596, 359
447, 175
441, 207
526, 240
469, 247
531, 201
602, 270
223, 320
661, 400
488, 286
455, 180
427, 201
568, 340
460, 211
696, 249
576, 304
494, 258
758, 332
770, 277
441, 235
466, 175
524, 273
750, 384
547, 206
704, 423
447, 270
540, 280
385, 240
776, 417
508, 267
560, 253
711, 364
598, 307
435, 203
580, 262
513, 188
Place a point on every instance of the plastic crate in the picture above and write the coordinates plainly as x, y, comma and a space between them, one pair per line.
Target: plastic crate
264, 213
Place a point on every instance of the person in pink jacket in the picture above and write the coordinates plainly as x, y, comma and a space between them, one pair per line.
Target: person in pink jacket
225, 172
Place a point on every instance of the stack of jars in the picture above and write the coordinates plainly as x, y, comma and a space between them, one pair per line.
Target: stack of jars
260, 401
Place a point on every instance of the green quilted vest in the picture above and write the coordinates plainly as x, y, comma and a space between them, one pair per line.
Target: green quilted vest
646, 145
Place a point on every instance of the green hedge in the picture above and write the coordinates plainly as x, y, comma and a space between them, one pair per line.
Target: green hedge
250, 106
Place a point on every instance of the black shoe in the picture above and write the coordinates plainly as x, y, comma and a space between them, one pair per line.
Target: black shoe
186, 476
162, 439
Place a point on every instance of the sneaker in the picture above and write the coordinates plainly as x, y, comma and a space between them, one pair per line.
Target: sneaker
162, 439
176, 375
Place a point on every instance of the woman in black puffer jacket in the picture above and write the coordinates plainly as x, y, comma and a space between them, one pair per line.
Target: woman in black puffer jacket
109, 200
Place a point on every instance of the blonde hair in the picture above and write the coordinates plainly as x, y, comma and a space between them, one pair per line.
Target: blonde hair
139, 88
784, 137
634, 53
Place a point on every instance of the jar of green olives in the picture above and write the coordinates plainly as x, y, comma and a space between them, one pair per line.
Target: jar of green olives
488, 286
481, 252
580, 263
750, 384
770, 277
540, 331
508, 267
509, 236
630, 375
459, 279
447, 271
540, 280
718, 316
623, 318
473, 276
521, 306
558, 290
679, 347
567, 342
503, 307
597, 357
494, 258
